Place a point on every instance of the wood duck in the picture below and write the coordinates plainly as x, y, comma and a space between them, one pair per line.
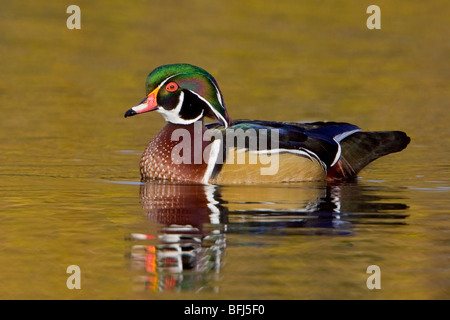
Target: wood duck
245, 151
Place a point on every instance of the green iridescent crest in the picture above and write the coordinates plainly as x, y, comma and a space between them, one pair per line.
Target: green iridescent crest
194, 79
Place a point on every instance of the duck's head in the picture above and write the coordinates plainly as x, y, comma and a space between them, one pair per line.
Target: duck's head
183, 94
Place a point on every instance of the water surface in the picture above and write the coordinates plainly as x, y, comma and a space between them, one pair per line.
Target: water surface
70, 191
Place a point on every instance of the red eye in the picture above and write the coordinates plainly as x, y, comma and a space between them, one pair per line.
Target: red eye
171, 87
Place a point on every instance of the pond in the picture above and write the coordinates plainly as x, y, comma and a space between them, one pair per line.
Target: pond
70, 188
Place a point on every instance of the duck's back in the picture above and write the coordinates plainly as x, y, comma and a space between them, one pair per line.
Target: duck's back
293, 151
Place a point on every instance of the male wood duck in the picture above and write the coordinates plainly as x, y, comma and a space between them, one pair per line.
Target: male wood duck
245, 151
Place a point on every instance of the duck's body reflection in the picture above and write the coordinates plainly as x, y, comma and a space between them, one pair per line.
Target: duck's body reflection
187, 252
189, 246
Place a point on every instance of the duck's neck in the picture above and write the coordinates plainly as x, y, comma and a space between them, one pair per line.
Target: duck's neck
176, 153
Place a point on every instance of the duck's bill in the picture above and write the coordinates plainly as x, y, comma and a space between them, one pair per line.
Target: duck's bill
148, 104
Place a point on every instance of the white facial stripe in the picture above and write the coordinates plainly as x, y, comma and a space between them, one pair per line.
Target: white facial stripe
173, 116
181, 121
212, 109
219, 96
167, 79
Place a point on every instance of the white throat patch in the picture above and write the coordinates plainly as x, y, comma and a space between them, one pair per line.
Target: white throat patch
173, 115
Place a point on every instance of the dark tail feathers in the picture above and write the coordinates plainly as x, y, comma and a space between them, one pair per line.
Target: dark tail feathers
361, 148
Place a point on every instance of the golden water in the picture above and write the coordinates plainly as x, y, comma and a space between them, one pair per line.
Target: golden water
69, 188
